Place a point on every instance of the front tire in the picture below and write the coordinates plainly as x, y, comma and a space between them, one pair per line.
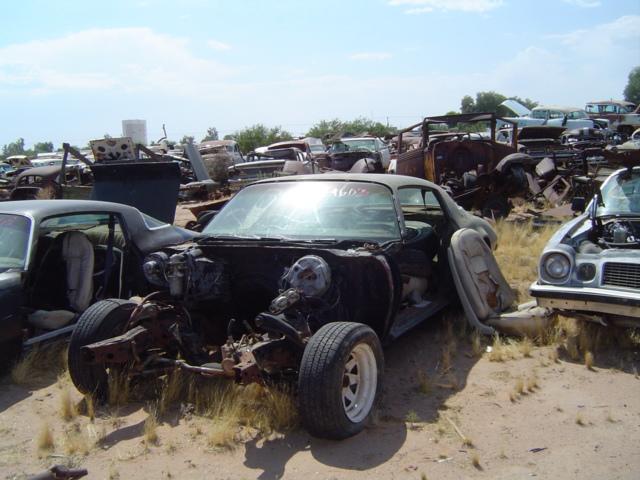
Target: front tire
102, 320
340, 380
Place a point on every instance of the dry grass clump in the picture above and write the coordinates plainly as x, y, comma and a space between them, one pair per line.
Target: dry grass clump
40, 365
524, 386
229, 407
76, 441
503, 350
87, 406
44, 440
150, 429
580, 419
519, 388
588, 360
477, 348
222, 434
68, 410
119, 388
526, 347
519, 248
532, 383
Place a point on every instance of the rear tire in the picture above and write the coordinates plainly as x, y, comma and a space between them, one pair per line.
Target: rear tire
102, 320
340, 380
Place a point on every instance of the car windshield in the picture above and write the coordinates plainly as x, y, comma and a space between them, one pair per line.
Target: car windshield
309, 210
14, 241
539, 113
317, 148
354, 145
621, 195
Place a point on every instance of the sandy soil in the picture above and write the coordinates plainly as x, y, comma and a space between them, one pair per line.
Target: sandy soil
569, 422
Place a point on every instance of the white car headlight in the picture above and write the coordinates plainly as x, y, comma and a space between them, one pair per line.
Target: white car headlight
557, 266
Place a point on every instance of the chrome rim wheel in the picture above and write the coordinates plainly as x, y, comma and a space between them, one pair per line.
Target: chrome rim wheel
359, 383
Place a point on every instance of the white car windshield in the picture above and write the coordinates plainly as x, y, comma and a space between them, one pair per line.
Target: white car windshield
309, 210
621, 195
14, 241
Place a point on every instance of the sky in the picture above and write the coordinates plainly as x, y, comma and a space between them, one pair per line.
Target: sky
71, 71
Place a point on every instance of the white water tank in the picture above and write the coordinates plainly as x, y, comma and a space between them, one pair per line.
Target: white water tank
136, 129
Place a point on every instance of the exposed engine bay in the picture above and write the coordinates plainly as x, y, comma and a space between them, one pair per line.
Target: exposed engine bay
232, 314
614, 233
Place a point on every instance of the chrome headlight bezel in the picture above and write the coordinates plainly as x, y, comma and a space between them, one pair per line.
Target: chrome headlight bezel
154, 268
556, 266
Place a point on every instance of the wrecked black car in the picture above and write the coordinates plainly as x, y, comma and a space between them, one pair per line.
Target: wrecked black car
299, 280
57, 257
591, 265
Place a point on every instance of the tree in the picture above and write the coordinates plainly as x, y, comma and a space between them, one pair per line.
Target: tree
212, 134
335, 128
490, 102
186, 139
43, 147
14, 148
467, 105
632, 90
258, 135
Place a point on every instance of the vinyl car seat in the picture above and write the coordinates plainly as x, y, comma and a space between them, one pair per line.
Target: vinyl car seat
488, 293
77, 254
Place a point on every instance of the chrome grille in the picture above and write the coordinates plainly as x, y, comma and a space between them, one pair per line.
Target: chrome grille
621, 275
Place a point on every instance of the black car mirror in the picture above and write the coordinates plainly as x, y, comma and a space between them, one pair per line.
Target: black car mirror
578, 204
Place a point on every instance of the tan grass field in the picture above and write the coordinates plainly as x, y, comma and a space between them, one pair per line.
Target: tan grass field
562, 406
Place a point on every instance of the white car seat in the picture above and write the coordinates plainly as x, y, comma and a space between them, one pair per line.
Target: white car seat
77, 252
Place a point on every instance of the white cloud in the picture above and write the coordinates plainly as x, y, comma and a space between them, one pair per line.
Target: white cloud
218, 45
370, 56
425, 6
622, 31
583, 3
126, 59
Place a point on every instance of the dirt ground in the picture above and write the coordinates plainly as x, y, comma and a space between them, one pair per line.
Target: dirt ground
446, 413
453, 406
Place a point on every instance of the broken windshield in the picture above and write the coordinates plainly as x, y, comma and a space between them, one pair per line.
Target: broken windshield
309, 210
14, 241
621, 195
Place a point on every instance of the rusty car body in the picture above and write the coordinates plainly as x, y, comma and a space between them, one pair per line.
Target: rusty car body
468, 165
297, 279
49, 182
622, 115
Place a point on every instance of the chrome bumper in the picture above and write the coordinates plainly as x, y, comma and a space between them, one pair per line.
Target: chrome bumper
600, 300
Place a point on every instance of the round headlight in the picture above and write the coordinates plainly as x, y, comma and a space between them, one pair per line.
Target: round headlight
557, 266
586, 271
310, 275
154, 268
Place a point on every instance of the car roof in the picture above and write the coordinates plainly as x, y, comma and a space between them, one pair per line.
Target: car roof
39, 209
392, 181
612, 102
562, 108
46, 171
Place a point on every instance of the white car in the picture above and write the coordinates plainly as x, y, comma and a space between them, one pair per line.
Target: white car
569, 117
372, 144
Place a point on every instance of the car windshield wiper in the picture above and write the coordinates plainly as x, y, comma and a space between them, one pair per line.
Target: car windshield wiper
257, 238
